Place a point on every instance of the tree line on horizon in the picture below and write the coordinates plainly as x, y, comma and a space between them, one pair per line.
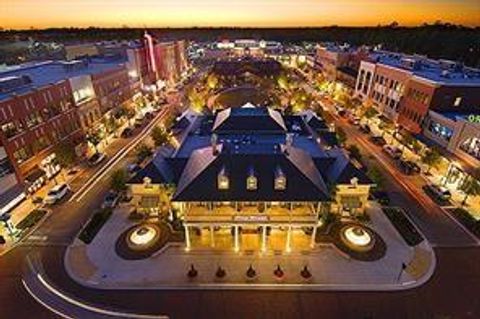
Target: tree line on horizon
438, 40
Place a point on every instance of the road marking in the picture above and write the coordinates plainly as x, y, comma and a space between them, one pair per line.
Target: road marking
92, 308
55, 311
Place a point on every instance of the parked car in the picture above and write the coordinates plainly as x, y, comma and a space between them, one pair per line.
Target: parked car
409, 167
96, 159
438, 192
149, 115
111, 200
364, 128
353, 119
56, 193
378, 140
392, 151
127, 132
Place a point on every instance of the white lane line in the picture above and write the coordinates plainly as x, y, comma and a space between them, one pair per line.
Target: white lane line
113, 161
96, 309
55, 311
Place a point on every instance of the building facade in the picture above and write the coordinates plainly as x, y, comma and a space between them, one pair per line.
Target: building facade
250, 172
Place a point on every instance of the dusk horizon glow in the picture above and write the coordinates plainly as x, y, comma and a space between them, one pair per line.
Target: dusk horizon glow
24, 14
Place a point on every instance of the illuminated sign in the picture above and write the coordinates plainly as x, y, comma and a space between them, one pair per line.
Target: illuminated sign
473, 118
250, 218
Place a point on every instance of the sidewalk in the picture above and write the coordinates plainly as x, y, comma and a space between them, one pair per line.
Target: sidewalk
27, 206
97, 265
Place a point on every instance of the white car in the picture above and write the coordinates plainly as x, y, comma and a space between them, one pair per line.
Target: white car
393, 151
56, 193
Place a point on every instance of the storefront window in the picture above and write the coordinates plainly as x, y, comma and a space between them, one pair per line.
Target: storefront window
472, 147
441, 131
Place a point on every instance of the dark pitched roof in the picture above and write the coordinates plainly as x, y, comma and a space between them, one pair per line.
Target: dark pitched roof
158, 170
339, 170
199, 180
317, 124
248, 119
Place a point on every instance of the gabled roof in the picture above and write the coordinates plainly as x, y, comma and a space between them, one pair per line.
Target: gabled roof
247, 119
199, 182
339, 170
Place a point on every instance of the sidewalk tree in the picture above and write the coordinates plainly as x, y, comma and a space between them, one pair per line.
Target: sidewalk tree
431, 158
94, 138
65, 154
197, 100
118, 181
370, 113
354, 152
471, 187
143, 151
212, 81
376, 176
160, 136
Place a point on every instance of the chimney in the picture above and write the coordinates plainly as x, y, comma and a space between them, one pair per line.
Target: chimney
213, 141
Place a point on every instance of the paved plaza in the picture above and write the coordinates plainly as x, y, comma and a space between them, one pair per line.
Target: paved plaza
98, 265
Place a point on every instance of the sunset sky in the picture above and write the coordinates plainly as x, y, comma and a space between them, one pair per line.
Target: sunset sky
263, 13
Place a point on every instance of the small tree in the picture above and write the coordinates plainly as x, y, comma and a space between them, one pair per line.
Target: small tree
471, 187
94, 139
65, 154
341, 136
160, 136
143, 151
431, 158
118, 180
376, 176
370, 113
354, 152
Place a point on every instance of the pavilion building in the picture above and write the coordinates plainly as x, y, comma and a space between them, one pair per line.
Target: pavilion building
250, 170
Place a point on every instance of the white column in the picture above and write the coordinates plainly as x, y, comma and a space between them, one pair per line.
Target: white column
264, 238
288, 246
237, 244
187, 238
314, 234
212, 237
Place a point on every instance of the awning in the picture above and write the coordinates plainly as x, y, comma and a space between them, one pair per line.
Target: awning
34, 175
11, 198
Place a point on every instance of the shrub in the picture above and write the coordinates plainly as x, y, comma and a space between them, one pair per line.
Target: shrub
94, 225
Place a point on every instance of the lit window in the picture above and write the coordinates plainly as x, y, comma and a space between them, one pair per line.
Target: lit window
251, 183
458, 100
222, 179
280, 179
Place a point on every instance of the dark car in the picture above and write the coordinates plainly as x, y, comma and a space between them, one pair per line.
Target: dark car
409, 167
378, 140
439, 193
96, 159
381, 197
128, 132
149, 115
364, 128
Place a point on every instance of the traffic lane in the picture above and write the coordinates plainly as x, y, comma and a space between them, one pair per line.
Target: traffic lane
14, 300
432, 220
438, 298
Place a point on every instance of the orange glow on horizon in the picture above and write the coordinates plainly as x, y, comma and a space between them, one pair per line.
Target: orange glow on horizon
22, 14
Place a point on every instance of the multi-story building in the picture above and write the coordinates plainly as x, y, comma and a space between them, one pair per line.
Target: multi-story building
250, 170
158, 63
44, 104
405, 88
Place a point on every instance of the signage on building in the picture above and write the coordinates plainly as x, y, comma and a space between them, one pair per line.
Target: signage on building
250, 218
473, 118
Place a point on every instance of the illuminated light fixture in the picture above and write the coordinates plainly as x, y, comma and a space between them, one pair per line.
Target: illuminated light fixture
143, 235
222, 179
357, 236
280, 179
251, 179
